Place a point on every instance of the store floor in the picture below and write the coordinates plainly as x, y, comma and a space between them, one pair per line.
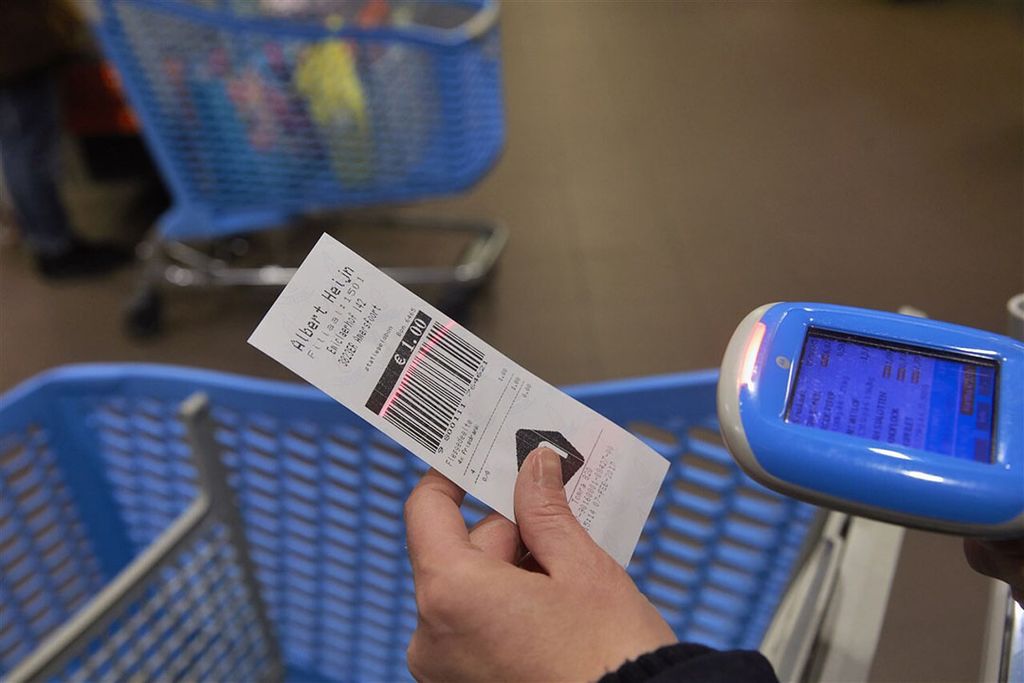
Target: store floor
669, 167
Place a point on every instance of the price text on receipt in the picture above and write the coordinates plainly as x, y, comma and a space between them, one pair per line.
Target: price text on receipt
451, 399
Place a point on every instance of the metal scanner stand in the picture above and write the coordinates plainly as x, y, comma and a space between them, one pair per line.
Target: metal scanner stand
829, 622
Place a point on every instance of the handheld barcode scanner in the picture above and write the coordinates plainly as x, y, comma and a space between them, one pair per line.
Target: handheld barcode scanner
902, 419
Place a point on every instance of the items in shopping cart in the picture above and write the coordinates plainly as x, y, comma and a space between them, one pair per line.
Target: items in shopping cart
327, 78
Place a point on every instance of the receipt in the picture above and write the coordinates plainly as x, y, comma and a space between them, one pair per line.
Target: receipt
451, 399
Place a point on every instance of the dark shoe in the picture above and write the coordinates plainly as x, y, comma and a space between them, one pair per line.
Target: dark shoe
83, 260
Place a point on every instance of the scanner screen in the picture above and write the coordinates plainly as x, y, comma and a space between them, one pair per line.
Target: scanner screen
895, 394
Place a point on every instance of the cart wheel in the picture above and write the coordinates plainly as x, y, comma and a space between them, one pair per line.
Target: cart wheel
144, 316
457, 300
231, 247
454, 302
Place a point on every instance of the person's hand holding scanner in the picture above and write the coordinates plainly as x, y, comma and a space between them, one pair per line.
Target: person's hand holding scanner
482, 617
1003, 560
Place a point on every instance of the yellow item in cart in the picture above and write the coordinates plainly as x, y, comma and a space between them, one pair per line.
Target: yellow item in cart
327, 76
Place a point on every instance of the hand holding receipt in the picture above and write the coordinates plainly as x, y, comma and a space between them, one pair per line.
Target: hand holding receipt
451, 399
576, 616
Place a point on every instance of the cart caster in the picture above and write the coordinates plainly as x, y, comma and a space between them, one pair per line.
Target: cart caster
144, 316
456, 301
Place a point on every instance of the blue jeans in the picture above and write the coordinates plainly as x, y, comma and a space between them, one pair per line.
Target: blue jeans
29, 151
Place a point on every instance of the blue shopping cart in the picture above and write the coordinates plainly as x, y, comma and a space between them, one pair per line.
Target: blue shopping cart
261, 111
258, 529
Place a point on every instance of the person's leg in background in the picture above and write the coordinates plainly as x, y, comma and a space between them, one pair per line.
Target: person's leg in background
29, 138
29, 152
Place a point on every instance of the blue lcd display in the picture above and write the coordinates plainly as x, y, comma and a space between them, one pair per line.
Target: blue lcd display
895, 394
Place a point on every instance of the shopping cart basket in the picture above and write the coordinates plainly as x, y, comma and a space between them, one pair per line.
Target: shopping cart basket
310, 569
261, 111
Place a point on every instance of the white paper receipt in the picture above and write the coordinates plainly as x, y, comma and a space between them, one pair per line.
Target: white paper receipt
438, 390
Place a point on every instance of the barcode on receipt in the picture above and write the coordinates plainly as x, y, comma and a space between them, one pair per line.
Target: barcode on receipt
423, 388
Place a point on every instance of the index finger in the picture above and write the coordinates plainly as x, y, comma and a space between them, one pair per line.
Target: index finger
433, 523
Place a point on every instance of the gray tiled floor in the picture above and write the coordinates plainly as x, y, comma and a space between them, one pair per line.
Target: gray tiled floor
669, 167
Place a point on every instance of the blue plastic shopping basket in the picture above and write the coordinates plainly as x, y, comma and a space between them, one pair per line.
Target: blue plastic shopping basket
95, 469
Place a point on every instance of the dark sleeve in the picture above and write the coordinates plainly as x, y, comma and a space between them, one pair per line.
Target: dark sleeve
690, 663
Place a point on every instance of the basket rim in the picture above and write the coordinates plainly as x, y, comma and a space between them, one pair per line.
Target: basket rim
474, 28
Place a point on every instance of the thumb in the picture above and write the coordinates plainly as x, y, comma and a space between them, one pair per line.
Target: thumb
557, 541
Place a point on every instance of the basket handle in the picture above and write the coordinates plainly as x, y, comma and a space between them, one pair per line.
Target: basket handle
199, 424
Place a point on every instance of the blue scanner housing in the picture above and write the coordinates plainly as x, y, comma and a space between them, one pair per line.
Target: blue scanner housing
899, 418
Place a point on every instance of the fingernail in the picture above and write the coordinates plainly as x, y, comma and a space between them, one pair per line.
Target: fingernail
547, 469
